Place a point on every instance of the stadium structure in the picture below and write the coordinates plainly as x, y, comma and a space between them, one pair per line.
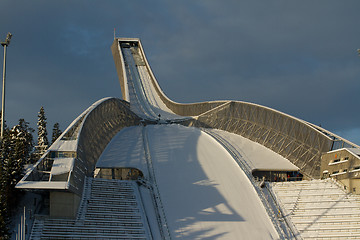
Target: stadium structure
146, 167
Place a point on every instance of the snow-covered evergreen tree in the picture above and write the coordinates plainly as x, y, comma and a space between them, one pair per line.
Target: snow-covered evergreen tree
4, 208
42, 132
56, 132
4, 186
22, 141
16, 149
4, 216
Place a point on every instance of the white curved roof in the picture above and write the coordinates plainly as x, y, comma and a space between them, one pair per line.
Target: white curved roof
203, 190
126, 149
257, 156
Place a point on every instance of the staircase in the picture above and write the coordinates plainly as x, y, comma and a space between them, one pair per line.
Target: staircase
110, 209
320, 209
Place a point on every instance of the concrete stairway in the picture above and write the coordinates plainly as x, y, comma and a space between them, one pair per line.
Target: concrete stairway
320, 209
110, 209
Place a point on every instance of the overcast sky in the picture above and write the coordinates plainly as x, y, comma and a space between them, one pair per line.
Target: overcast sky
298, 57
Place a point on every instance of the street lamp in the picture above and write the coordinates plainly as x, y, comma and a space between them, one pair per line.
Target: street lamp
5, 45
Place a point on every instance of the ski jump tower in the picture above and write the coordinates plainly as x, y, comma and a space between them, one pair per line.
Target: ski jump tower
63, 168
299, 141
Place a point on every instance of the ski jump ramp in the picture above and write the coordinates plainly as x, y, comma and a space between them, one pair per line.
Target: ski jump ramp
194, 162
301, 142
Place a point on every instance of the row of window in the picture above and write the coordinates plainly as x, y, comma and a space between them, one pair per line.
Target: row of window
345, 170
62, 154
338, 160
339, 171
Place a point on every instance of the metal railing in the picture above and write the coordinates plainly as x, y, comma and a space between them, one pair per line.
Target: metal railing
159, 209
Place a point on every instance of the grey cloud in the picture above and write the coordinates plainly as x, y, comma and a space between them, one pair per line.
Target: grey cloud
296, 57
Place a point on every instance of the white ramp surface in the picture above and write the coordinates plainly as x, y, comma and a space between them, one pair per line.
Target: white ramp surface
144, 100
204, 192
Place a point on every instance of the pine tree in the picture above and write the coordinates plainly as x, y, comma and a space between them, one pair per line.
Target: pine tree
4, 193
4, 216
16, 149
42, 132
20, 146
4, 186
56, 132
22, 141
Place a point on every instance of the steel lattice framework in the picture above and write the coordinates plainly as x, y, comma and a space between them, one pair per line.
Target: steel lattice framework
91, 132
284, 134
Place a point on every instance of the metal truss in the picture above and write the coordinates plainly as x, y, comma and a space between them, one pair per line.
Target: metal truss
292, 138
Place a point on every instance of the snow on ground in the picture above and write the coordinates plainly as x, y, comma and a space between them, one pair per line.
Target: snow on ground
29, 201
204, 192
256, 155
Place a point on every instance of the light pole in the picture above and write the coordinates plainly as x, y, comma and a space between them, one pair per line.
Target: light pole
5, 45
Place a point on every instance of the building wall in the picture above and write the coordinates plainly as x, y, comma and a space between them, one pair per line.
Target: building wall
343, 166
63, 204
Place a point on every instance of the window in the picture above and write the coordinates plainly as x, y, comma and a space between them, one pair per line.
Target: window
345, 170
346, 158
335, 172
336, 160
357, 167
62, 154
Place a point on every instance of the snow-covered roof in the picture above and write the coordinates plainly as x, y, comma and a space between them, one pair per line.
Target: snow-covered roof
355, 151
125, 150
257, 156
68, 145
42, 185
62, 165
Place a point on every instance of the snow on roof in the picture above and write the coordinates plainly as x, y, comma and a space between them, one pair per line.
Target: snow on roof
256, 155
62, 165
68, 145
355, 151
125, 150
42, 185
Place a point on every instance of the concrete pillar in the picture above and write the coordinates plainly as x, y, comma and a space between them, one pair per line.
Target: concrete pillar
64, 204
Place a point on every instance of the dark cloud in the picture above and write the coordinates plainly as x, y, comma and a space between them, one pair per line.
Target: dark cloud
296, 57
